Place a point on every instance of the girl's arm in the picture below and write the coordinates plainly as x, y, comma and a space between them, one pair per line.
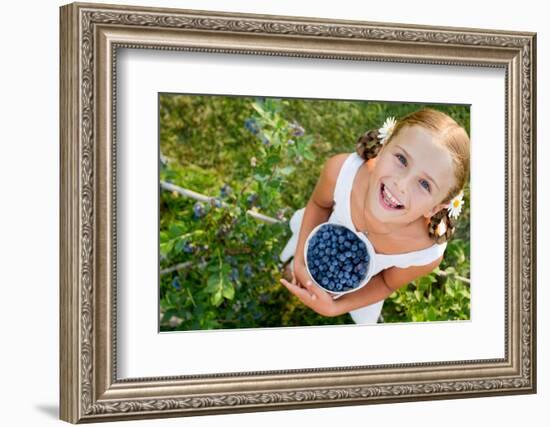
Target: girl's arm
323, 303
318, 210
379, 287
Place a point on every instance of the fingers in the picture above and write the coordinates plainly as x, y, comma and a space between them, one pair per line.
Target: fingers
295, 289
312, 289
302, 293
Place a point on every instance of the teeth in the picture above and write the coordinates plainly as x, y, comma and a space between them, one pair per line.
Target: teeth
390, 198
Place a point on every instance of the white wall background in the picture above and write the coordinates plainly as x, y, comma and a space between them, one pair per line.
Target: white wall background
29, 183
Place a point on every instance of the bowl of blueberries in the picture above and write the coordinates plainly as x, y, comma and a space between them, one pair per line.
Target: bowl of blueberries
338, 259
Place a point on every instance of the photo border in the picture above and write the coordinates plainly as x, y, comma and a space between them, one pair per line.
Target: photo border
89, 37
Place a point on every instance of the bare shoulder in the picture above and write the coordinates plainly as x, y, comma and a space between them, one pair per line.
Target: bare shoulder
333, 165
323, 195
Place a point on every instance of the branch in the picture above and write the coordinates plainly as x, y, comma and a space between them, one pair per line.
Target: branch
456, 276
201, 197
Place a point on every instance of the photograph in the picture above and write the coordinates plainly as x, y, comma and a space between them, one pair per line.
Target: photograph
277, 212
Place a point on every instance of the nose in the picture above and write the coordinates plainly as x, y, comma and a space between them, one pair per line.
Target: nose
401, 184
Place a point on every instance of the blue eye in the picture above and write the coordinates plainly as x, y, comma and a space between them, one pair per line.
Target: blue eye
400, 156
427, 186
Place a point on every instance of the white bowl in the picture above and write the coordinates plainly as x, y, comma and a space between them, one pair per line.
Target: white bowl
370, 251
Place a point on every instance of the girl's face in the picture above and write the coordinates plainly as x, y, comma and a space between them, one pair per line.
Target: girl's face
415, 171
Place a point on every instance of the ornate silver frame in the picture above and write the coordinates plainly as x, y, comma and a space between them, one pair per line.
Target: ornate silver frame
90, 36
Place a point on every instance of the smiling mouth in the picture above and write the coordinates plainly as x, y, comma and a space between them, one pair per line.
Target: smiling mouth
387, 202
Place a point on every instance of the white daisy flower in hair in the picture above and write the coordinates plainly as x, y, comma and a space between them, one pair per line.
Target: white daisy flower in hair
455, 207
386, 130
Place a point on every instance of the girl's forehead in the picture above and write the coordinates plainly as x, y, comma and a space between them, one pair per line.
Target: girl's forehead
414, 134
420, 143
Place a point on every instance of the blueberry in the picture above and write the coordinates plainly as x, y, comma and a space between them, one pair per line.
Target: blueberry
296, 129
176, 283
198, 210
251, 199
225, 190
247, 270
252, 125
214, 201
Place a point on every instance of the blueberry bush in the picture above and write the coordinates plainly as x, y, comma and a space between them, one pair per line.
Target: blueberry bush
220, 267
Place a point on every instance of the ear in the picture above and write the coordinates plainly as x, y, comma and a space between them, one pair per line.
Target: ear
435, 210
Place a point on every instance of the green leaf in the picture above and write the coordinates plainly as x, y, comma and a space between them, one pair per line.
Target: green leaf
449, 271
166, 248
286, 170
449, 290
260, 110
228, 291
176, 229
306, 140
308, 155
226, 269
180, 243
465, 292
217, 298
214, 284
260, 178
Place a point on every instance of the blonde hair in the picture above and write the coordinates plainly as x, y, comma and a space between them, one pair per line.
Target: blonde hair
449, 134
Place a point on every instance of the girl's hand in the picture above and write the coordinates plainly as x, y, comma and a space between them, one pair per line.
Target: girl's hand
312, 296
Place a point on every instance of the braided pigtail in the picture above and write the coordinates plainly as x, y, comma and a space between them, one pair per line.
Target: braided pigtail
368, 145
442, 226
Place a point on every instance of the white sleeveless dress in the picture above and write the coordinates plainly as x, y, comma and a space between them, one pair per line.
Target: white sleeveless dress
341, 214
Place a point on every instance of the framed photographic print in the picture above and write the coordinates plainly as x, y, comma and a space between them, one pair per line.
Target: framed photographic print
202, 151
264, 164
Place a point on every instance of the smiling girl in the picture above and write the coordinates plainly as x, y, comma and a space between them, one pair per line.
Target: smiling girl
403, 190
